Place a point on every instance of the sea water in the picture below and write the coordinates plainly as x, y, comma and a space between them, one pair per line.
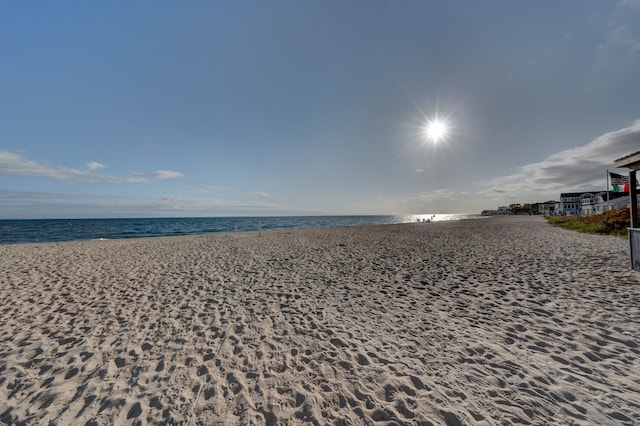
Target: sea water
54, 230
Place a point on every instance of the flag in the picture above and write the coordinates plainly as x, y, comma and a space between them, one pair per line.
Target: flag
619, 183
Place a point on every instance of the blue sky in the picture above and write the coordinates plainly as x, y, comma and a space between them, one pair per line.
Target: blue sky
200, 108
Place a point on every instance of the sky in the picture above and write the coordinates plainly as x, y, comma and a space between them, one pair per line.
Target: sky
259, 108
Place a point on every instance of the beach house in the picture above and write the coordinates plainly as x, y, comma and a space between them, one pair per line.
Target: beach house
570, 203
596, 203
547, 208
591, 202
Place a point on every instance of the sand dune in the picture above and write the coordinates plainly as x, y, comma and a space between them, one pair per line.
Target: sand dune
489, 322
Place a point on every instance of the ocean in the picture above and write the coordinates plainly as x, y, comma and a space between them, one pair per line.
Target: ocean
56, 230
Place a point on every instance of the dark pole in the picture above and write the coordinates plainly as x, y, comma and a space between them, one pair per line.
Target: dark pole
608, 207
633, 197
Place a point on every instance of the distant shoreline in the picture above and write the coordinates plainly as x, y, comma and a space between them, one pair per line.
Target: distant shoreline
58, 230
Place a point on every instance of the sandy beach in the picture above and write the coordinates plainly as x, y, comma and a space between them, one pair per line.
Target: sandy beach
497, 321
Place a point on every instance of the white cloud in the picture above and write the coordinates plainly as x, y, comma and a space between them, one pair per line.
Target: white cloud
17, 164
622, 36
621, 30
93, 165
30, 196
166, 174
259, 194
437, 195
205, 189
577, 169
581, 168
23, 204
432, 202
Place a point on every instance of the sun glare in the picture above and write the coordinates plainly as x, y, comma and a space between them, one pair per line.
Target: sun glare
436, 130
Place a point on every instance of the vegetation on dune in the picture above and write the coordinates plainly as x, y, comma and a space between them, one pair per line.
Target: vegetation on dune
614, 222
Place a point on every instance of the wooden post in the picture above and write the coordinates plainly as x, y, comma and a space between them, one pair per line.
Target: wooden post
633, 198
608, 207
634, 241
632, 162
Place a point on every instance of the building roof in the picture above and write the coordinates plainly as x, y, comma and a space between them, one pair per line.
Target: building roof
631, 161
612, 195
578, 194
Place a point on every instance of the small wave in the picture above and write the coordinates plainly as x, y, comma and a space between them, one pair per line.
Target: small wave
30, 231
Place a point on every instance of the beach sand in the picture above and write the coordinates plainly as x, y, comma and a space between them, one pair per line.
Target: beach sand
494, 321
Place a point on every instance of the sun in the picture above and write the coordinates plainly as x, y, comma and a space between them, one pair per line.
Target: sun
436, 130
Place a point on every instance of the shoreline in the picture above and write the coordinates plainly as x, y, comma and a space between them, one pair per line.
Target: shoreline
469, 322
59, 230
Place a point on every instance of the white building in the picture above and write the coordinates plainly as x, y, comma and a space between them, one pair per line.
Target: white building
588, 203
547, 208
570, 204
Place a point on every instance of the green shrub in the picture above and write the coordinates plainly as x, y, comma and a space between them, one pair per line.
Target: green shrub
614, 222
